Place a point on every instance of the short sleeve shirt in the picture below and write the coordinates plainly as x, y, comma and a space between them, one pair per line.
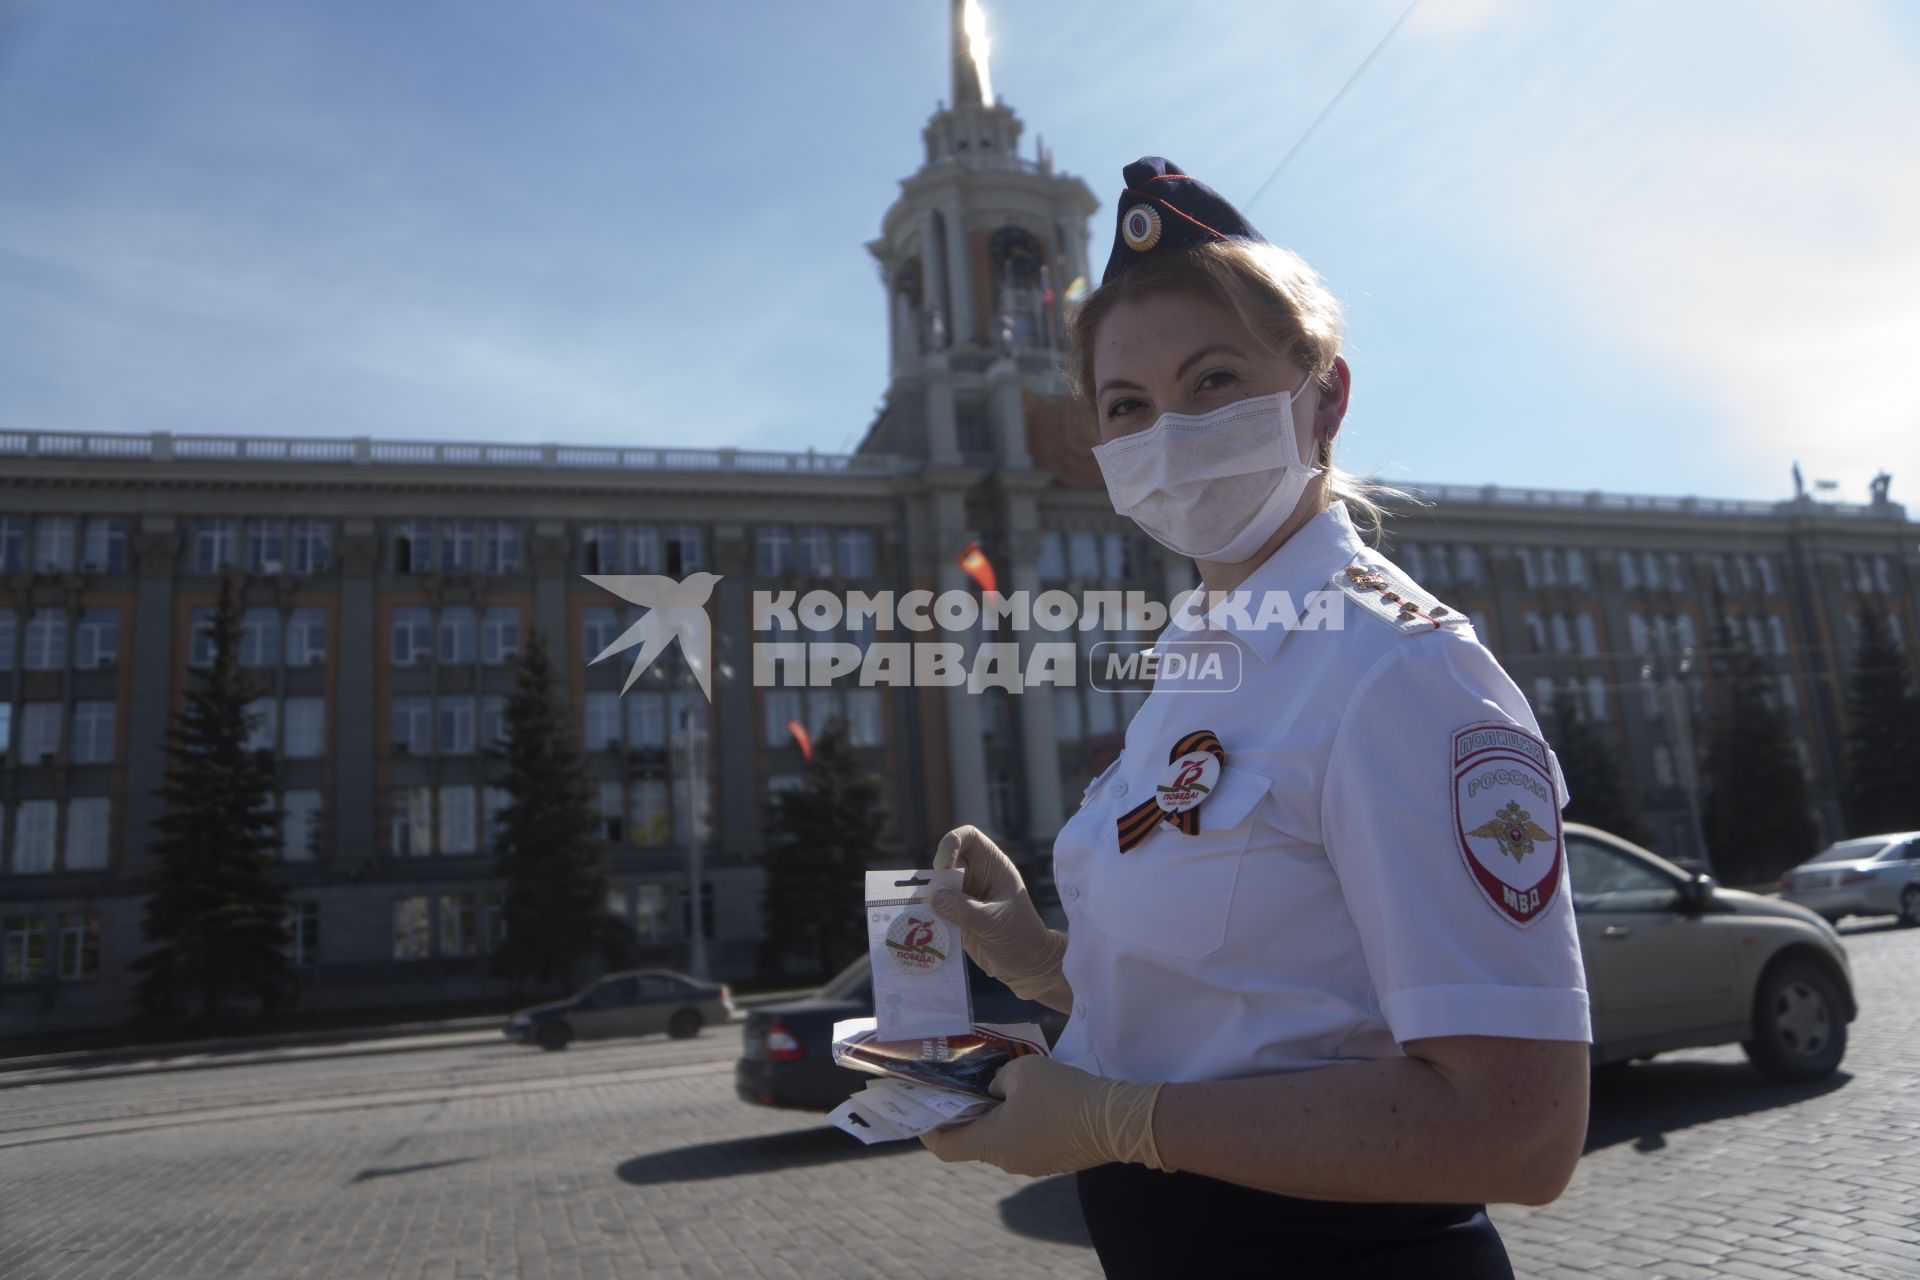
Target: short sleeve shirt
1379, 859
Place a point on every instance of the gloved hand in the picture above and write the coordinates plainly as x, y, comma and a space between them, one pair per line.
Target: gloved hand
1056, 1119
999, 926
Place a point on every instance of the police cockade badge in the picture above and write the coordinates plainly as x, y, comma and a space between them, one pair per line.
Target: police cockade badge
1141, 228
1193, 769
1506, 818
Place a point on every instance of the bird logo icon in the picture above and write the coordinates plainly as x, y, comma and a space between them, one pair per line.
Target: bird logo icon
674, 609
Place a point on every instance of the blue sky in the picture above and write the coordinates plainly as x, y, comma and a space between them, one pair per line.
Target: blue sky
1650, 247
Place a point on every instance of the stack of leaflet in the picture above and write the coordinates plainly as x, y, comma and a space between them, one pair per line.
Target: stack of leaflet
924, 1084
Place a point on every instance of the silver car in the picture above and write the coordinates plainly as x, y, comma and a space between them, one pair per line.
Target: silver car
637, 1003
1871, 876
1674, 961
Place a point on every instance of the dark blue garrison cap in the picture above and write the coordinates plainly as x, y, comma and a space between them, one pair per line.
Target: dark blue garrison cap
1162, 209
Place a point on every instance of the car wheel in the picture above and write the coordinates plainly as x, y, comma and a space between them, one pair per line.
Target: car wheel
553, 1036
1910, 906
686, 1024
1799, 1024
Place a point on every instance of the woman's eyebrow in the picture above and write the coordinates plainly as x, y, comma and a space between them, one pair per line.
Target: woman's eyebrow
1216, 348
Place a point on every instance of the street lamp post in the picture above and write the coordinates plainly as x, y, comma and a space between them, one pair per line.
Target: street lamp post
1673, 688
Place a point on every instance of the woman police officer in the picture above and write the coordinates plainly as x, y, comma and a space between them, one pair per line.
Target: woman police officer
1326, 997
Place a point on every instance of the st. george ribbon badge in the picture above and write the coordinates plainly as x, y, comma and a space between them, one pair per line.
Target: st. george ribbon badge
1193, 767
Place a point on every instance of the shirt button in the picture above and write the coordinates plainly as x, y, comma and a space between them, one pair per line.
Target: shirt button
1119, 788
1080, 1010
1072, 891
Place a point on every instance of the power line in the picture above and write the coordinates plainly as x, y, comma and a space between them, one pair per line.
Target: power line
1331, 104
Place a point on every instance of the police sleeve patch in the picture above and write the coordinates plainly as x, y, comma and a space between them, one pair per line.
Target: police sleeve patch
1505, 819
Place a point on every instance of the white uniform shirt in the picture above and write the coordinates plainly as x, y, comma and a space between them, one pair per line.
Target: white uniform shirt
1336, 901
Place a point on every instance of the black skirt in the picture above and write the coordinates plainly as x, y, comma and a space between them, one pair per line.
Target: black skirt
1145, 1223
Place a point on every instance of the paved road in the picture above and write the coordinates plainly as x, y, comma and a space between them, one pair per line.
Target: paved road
631, 1159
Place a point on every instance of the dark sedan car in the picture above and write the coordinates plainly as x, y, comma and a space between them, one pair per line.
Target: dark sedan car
787, 1058
637, 1003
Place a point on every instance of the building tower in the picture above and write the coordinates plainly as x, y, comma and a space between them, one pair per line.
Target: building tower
976, 257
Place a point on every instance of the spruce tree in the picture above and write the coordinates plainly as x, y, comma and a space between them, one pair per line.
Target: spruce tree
550, 856
1598, 795
1757, 816
215, 908
825, 835
1883, 735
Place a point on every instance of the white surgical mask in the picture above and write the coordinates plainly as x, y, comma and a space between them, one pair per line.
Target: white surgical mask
1214, 486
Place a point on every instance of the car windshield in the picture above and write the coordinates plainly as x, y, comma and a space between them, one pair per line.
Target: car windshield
1850, 851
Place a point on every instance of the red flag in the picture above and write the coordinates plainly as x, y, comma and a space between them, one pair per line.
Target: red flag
800, 735
978, 567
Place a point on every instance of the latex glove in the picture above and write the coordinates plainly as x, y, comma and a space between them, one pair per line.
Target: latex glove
999, 926
1056, 1119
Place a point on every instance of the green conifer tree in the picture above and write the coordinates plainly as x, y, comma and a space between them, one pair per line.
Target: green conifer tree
215, 909
1883, 735
1598, 794
1757, 816
550, 855
825, 835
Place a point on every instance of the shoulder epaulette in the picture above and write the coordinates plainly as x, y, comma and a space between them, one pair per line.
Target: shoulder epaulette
1386, 594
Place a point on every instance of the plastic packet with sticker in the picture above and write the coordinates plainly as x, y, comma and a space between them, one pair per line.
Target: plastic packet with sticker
919, 969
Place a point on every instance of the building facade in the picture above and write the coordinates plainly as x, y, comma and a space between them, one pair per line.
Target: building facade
388, 586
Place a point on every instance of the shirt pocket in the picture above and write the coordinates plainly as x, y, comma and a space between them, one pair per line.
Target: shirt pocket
1100, 778
1172, 892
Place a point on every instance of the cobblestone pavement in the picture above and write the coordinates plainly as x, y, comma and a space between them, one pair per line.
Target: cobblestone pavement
634, 1159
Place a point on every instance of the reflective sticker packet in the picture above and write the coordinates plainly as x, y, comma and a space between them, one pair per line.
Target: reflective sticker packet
919, 969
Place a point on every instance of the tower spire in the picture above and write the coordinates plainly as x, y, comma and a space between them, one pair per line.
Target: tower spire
972, 83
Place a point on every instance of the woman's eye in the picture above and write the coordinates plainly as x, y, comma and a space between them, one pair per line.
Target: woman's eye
1119, 407
1208, 382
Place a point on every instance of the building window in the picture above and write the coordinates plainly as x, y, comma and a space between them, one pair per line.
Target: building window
311, 545
9, 639
1529, 574
773, 552
413, 725
494, 802
642, 547
46, 648
459, 931
305, 735
456, 634
33, 826
92, 741
40, 732
88, 818
1596, 697
646, 720
215, 545
412, 822
1768, 583
683, 548
96, 639
1588, 635
306, 637
1536, 633
266, 546
650, 922
598, 628
456, 819
1102, 711
609, 811
1562, 634
1117, 550
500, 635
457, 539
260, 637
105, 550
864, 728
652, 814
26, 947
1629, 571
413, 546
493, 721
412, 637
814, 549
781, 706
13, 544
1052, 565
856, 553
500, 547
602, 724
456, 726
412, 930
303, 933
263, 725
1083, 557
6, 742
300, 826
200, 645
79, 944
53, 544
600, 548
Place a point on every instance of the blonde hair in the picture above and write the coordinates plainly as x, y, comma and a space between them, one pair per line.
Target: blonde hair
1273, 292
